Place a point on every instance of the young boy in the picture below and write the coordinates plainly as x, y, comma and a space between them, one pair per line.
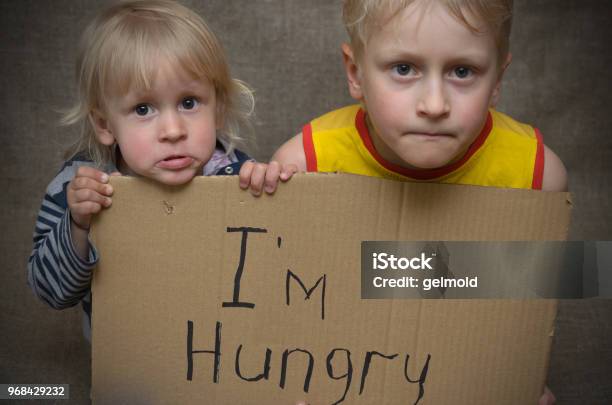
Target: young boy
427, 74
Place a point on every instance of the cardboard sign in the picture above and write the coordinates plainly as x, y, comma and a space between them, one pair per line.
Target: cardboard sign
205, 294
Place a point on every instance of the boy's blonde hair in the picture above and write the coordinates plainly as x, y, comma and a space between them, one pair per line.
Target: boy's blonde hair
362, 16
121, 49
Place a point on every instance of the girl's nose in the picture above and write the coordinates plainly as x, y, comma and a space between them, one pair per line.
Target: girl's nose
173, 128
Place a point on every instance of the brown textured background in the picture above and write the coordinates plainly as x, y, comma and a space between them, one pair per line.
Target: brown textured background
288, 50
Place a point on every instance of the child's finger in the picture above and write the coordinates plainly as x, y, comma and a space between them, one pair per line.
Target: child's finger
89, 195
288, 171
88, 183
84, 209
116, 174
257, 178
86, 171
245, 174
271, 179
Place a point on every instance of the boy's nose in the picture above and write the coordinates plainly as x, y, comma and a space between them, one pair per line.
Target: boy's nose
433, 102
173, 128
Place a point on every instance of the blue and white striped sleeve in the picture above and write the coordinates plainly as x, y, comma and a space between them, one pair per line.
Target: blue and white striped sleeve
56, 273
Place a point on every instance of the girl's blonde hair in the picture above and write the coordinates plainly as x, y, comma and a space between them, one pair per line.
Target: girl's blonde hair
121, 49
362, 16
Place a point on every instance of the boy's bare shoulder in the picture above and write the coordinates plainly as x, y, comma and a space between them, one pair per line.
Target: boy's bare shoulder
555, 175
292, 152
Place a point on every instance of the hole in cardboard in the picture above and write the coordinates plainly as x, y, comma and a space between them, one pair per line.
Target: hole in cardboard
168, 208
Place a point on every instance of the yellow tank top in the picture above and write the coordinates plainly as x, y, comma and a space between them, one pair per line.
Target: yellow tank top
505, 154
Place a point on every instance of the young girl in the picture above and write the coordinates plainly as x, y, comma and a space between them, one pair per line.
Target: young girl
155, 100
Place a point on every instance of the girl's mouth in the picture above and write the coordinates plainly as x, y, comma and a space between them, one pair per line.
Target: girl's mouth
175, 162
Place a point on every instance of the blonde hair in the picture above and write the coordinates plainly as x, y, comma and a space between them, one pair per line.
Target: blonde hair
120, 50
362, 16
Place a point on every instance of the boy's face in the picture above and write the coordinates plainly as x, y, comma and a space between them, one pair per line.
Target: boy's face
427, 82
166, 133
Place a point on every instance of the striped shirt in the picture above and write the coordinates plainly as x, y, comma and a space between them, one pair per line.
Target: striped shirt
56, 273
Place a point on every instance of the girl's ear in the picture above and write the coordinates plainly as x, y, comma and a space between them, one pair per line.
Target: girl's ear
497, 89
100, 123
352, 72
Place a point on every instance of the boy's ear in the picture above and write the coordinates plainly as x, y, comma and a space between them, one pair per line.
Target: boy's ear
101, 126
352, 72
497, 89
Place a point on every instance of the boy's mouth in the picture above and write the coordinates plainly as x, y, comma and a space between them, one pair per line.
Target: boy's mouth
175, 162
427, 135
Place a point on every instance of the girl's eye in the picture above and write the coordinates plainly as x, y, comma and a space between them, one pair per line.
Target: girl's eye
403, 69
189, 103
462, 72
142, 109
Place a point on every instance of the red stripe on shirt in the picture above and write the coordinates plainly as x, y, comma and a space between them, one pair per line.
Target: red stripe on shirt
538, 168
309, 150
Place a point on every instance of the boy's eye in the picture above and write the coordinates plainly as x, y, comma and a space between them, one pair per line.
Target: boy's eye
462, 72
189, 103
142, 109
403, 69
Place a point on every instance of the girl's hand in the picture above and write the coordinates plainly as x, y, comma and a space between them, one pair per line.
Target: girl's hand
262, 176
88, 193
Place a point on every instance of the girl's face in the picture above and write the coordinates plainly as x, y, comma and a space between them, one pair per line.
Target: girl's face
166, 133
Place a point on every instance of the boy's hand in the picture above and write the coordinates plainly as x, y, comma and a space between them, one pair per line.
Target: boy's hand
547, 398
262, 176
88, 193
